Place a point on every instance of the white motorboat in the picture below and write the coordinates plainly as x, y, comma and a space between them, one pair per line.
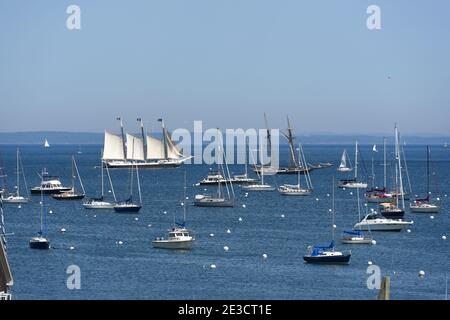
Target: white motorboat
178, 238
376, 222
49, 185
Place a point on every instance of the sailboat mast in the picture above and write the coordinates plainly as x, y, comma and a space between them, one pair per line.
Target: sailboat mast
385, 165
356, 160
123, 136
428, 172
18, 177
397, 137
139, 185
290, 136
111, 184
333, 211
102, 175
144, 142
164, 138
42, 206
78, 174
298, 173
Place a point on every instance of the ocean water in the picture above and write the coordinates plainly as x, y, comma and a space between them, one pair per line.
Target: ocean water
135, 270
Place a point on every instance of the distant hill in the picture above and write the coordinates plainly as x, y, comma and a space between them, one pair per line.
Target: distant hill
71, 138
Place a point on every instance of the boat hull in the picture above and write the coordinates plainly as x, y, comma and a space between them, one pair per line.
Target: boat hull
40, 245
344, 259
145, 165
38, 191
219, 204
14, 200
258, 188
418, 209
358, 241
174, 245
62, 196
127, 209
93, 206
381, 227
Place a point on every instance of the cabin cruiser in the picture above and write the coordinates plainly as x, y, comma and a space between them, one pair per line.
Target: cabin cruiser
98, 203
375, 222
213, 178
419, 206
178, 238
391, 211
49, 185
294, 190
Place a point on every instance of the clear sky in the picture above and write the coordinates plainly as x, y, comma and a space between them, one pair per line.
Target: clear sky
226, 62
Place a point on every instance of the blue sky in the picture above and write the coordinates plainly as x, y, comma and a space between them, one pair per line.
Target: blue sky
226, 62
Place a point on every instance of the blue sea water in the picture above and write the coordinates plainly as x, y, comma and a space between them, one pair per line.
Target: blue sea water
135, 270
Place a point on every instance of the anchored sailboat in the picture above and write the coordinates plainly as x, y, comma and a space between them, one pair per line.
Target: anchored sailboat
353, 183
345, 165
328, 254
148, 151
16, 197
220, 199
424, 205
101, 203
298, 190
356, 236
259, 186
41, 241
128, 206
72, 194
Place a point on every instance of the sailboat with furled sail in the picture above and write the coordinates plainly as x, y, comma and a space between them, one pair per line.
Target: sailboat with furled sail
148, 151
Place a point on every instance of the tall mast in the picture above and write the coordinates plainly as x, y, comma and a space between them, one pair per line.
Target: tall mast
428, 172
42, 206
166, 156
123, 137
144, 142
18, 182
139, 185
356, 160
385, 165
299, 159
333, 210
290, 137
397, 138
102, 175
111, 184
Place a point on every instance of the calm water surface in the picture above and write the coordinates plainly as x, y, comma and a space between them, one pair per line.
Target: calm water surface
135, 270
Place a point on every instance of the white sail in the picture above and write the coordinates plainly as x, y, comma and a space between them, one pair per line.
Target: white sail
135, 148
173, 152
113, 148
343, 160
46, 144
155, 148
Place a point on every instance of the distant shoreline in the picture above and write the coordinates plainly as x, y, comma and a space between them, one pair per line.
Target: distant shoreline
92, 138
